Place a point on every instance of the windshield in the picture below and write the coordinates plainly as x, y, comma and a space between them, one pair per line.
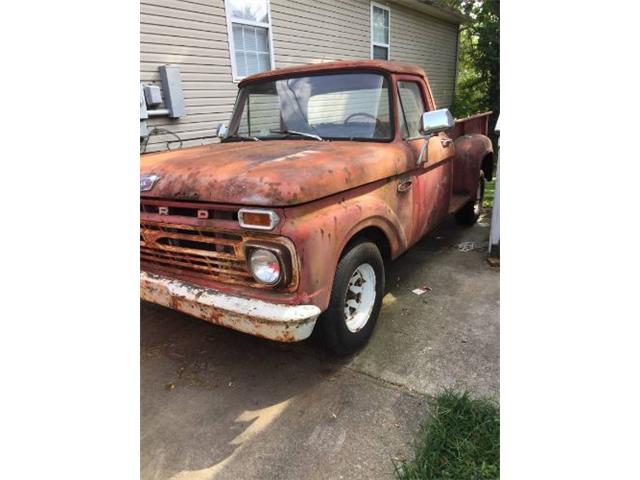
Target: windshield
347, 106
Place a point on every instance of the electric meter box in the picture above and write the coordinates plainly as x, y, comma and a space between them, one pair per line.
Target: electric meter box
153, 95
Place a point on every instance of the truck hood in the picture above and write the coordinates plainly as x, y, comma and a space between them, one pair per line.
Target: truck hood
270, 173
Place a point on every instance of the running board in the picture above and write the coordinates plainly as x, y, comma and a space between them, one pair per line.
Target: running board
458, 200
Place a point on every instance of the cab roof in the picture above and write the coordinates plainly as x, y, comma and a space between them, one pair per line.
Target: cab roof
381, 65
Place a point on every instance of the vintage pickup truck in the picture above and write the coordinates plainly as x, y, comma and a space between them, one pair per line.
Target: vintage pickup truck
325, 173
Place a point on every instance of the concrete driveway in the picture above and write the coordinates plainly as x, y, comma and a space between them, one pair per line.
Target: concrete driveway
220, 404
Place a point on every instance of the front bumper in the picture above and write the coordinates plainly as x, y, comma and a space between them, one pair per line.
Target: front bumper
284, 323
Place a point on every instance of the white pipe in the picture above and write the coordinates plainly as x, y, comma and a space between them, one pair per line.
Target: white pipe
157, 113
494, 235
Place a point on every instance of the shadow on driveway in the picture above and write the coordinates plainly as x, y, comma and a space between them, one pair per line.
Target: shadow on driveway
220, 404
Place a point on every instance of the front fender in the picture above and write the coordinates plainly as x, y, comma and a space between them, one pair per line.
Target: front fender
322, 229
377, 214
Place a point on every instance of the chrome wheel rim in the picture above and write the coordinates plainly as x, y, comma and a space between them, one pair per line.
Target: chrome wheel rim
360, 297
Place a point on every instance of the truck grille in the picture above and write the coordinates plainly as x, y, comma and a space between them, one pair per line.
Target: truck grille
198, 251
186, 210
202, 242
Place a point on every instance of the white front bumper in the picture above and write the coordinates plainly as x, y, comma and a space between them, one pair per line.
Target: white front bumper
284, 323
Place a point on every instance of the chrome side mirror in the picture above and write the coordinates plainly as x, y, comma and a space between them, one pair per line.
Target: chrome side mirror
222, 131
436, 121
432, 123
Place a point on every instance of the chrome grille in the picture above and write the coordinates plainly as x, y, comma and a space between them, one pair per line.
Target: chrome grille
200, 251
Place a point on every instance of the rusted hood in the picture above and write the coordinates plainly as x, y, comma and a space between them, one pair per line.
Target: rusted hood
270, 173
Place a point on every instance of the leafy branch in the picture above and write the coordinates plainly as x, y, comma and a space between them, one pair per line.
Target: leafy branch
478, 83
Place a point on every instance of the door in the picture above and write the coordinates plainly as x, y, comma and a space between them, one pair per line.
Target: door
432, 175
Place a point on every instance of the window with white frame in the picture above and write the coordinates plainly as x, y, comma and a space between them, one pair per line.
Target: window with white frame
380, 27
249, 27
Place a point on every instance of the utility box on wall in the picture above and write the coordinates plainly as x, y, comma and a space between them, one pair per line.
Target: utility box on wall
166, 100
144, 131
152, 95
172, 86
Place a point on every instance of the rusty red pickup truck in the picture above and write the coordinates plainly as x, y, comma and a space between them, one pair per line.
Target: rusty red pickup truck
325, 173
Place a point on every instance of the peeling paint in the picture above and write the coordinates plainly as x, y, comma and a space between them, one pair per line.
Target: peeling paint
284, 323
325, 193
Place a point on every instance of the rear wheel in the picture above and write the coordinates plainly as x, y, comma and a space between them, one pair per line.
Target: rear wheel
469, 214
356, 299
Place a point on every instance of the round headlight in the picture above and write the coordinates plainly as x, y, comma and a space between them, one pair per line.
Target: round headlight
265, 266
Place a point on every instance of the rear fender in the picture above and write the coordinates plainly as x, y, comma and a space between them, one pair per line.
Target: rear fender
474, 152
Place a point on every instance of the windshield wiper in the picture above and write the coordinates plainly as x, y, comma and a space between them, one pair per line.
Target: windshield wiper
242, 137
301, 134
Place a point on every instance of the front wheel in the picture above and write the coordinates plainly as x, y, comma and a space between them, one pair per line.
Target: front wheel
356, 299
469, 214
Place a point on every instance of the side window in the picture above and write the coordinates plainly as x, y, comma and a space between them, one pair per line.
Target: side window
410, 109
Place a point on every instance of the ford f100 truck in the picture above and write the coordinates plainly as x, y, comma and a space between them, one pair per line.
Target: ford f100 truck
325, 173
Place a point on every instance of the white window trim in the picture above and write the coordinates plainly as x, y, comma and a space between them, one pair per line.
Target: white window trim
232, 55
378, 44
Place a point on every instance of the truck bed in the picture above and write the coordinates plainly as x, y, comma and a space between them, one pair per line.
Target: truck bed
478, 123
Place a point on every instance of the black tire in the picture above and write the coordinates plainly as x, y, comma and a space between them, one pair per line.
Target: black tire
333, 323
469, 214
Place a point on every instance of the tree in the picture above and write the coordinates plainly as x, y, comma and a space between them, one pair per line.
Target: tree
478, 83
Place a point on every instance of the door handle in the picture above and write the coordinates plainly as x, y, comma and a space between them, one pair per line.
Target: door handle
445, 142
405, 185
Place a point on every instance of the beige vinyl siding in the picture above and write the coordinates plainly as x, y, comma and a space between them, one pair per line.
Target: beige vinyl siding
429, 43
193, 35
313, 31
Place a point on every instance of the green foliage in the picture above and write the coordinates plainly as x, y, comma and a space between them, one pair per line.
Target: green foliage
461, 441
489, 193
478, 84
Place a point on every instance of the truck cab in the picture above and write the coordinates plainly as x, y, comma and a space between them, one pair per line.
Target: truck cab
326, 173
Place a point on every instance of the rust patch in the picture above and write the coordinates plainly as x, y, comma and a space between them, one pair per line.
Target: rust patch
254, 173
324, 192
281, 326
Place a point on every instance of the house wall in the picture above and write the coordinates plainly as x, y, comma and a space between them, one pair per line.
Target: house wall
429, 43
193, 35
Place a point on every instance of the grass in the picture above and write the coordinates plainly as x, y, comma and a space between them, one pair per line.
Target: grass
460, 441
489, 193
